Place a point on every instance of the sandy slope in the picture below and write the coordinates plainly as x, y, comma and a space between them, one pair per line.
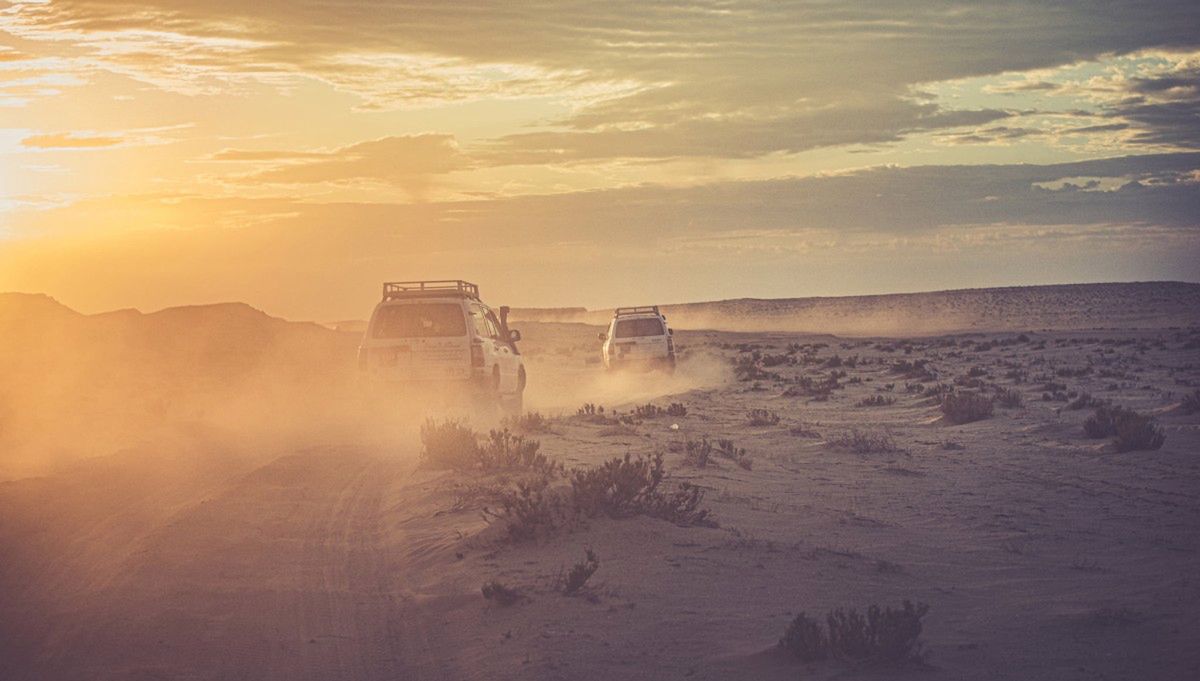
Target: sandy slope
215, 551
1073, 306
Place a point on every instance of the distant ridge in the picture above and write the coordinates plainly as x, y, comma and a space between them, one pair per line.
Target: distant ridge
1015, 308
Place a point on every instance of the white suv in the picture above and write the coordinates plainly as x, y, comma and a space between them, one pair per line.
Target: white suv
638, 337
440, 331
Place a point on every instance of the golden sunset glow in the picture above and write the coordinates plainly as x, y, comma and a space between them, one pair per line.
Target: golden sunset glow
185, 151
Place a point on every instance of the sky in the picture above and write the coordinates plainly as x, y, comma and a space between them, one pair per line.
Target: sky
295, 154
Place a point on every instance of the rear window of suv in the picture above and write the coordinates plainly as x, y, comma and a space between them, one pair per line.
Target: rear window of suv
634, 328
420, 320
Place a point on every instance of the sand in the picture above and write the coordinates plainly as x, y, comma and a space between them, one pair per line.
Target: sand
296, 542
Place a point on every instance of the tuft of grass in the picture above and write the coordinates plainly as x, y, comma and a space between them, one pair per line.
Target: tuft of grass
966, 407
729, 450
624, 487
529, 422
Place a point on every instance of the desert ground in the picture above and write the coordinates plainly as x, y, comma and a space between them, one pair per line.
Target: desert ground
207, 493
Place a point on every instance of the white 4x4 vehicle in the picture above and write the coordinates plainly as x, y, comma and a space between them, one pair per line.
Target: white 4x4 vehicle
638, 337
441, 332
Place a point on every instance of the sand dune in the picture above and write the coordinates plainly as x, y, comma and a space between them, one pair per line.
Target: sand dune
265, 523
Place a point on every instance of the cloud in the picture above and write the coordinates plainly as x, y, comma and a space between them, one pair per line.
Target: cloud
734, 79
409, 161
70, 140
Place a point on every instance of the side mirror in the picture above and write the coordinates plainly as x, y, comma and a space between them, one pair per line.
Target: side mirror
670, 332
602, 336
514, 336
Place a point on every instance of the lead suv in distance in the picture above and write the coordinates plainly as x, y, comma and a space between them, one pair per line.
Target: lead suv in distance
638, 338
425, 332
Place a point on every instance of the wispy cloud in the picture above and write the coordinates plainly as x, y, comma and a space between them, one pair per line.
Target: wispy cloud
69, 140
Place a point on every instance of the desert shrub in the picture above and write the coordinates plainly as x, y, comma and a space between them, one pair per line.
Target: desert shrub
864, 442
648, 411
448, 444
580, 573
532, 509
698, 453
1191, 403
1133, 431
593, 413
1009, 398
623, 487
803, 430
676, 410
729, 450
1084, 401
805, 639
876, 401
501, 594
976, 372
503, 450
529, 422
881, 637
965, 407
762, 417
886, 637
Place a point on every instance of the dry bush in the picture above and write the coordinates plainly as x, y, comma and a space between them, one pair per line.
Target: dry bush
448, 444
501, 594
966, 407
676, 410
762, 417
1085, 401
805, 639
729, 450
533, 509
876, 401
623, 487
882, 637
529, 422
1191, 403
580, 573
698, 453
1009, 398
864, 442
505, 451
1133, 431
648, 411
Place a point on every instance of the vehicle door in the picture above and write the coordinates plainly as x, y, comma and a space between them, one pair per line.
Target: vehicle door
510, 361
485, 336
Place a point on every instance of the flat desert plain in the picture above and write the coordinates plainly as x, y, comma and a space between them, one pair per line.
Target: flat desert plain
195, 514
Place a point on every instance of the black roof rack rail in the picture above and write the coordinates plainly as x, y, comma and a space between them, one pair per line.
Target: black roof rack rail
436, 287
644, 309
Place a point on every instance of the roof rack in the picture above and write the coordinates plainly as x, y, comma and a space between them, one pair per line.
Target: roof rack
437, 287
644, 309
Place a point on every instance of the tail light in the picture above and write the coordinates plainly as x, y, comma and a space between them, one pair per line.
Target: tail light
363, 357
476, 354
